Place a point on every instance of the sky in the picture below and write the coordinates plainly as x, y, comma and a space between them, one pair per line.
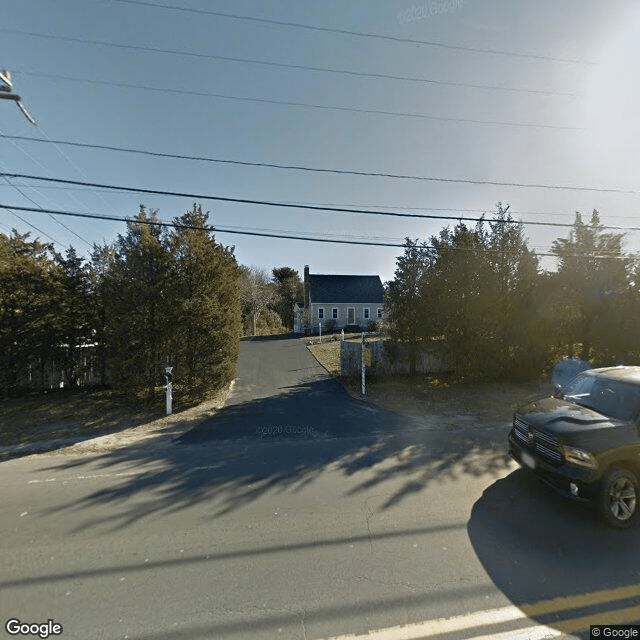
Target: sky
475, 102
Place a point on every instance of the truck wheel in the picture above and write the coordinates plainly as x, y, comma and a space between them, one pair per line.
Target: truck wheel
618, 498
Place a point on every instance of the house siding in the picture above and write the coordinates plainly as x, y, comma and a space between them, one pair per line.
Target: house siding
327, 292
342, 308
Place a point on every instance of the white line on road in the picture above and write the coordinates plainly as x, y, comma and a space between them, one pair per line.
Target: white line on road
472, 622
441, 625
530, 633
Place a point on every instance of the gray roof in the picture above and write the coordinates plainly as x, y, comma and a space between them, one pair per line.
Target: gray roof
344, 289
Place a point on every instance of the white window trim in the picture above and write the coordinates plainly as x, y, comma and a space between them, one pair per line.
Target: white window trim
379, 312
366, 313
320, 313
335, 313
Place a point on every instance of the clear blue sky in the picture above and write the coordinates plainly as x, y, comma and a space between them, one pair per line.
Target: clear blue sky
546, 114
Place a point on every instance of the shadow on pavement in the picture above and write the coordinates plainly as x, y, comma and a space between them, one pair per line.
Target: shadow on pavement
278, 443
537, 546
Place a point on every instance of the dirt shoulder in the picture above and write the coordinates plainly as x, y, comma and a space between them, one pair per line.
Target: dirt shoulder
437, 404
92, 422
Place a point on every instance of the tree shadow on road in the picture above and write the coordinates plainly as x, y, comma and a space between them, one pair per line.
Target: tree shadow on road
283, 443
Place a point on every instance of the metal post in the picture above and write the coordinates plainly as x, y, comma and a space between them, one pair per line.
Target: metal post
363, 365
169, 388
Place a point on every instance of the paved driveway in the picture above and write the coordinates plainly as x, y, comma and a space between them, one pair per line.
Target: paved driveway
282, 392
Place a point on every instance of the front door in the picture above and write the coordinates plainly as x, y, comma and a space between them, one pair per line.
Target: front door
351, 315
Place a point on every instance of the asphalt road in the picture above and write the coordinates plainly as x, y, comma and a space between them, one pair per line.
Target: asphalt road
351, 521
281, 392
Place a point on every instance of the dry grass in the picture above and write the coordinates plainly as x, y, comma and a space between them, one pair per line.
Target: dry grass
327, 352
59, 415
435, 397
485, 401
328, 355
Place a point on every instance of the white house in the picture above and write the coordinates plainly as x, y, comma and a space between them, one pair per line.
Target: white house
338, 302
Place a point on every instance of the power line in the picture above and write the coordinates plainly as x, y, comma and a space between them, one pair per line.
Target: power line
300, 67
268, 203
360, 34
271, 203
271, 165
70, 162
353, 206
263, 234
290, 205
324, 107
216, 229
64, 226
11, 210
24, 195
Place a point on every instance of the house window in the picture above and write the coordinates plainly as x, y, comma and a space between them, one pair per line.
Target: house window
320, 313
334, 313
367, 315
379, 312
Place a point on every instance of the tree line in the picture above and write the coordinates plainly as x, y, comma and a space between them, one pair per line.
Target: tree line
480, 294
162, 295
156, 296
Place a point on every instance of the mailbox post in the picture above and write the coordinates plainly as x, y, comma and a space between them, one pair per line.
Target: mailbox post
363, 364
168, 375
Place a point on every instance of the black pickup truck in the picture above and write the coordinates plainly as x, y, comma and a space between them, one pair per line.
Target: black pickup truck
585, 441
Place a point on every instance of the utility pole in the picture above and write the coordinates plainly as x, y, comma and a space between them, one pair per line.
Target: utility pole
6, 85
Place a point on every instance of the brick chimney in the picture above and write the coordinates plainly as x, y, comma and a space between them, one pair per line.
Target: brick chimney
306, 285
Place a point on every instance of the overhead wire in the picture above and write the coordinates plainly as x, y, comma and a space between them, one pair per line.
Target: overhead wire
69, 161
199, 196
207, 228
24, 195
360, 34
297, 67
27, 197
326, 107
291, 167
274, 165
265, 234
378, 206
320, 208
12, 210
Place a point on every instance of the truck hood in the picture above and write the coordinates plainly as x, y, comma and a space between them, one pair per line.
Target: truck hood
564, 418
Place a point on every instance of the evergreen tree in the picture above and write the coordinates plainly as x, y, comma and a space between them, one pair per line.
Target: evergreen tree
473, 289
77, 317
205, 317
29, 303
591, 286
406, 309
138, 306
